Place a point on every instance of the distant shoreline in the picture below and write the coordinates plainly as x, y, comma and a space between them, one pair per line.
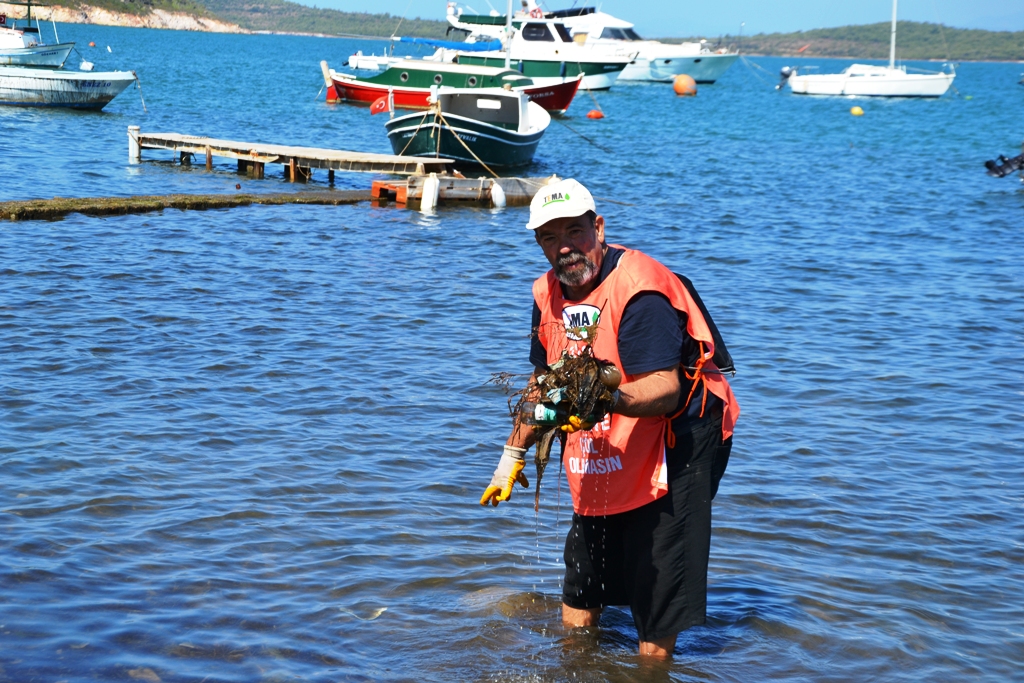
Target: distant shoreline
185, 21
885, 59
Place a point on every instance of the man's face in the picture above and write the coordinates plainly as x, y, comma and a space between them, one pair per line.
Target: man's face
574, 247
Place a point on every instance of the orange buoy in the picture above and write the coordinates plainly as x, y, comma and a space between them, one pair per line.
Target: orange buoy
684, 85
595, 114
92, 44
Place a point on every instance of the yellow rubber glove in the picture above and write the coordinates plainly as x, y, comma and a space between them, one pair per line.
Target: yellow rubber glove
510, 470
576, 424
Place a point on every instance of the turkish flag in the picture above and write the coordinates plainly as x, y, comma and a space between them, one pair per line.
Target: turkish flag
379, 105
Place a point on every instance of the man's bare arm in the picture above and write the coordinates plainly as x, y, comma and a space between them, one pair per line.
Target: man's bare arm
650, 394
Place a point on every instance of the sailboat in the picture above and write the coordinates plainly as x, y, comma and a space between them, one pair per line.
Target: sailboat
873, 81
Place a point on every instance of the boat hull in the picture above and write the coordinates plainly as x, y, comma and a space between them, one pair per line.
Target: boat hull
702, 68
907, 85
554, 97
596, 75
38, 56
45, 88
422, 135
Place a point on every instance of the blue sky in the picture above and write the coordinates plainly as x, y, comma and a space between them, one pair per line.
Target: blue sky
714, 17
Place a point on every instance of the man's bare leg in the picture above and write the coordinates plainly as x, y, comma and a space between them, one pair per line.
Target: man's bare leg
575, 618
661, 648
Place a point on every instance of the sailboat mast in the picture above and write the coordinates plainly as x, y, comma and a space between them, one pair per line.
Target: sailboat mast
508, 36
892, 39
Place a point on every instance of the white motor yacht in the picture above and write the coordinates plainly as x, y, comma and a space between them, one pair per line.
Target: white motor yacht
655, 61
540, 48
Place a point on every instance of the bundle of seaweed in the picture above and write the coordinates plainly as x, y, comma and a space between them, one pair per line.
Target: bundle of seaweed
579, 389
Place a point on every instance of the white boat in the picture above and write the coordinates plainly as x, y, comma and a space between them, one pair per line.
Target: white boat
22, 86
867, 80
655, 61
540, 48
23, 46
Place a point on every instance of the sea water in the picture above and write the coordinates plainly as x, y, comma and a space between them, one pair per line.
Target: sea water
249, 445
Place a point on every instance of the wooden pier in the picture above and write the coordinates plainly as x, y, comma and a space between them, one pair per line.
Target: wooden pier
298, 161
428, 182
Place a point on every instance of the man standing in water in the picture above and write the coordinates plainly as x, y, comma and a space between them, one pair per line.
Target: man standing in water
642, 480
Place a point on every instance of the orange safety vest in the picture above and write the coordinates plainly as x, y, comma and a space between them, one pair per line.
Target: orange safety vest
619, 464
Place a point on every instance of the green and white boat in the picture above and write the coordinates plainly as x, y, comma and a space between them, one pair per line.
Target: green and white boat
407, 84
540, 48
492, 128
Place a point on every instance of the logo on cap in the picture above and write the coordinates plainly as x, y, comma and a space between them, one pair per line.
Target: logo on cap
556, 197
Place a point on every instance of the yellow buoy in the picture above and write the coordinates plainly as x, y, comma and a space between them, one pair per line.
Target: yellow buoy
684, 85
856, 111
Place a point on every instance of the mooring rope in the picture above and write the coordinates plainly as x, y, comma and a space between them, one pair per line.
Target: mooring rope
603, 149
461, 142
413, 136
138, 84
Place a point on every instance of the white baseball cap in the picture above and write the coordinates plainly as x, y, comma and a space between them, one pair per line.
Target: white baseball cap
564, 199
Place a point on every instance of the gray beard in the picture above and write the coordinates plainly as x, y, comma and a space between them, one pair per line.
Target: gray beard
578, 278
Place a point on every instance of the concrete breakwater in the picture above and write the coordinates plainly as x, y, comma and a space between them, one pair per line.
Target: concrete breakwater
157, 18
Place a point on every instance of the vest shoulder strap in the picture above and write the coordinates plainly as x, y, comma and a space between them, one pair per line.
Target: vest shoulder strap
722, 358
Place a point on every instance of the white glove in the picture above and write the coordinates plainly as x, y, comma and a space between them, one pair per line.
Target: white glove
510, 470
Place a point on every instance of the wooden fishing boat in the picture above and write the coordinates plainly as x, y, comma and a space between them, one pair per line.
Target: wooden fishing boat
22, 86
497, 128
408, 81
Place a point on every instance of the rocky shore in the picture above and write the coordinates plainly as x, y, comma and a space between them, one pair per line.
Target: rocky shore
157, 18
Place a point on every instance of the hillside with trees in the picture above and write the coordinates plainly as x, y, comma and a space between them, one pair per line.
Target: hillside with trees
291, 17
915, 40
277, 16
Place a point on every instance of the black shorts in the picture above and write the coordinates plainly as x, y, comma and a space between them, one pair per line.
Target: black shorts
653, 558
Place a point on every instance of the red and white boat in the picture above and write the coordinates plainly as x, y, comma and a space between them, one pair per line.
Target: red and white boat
408, 82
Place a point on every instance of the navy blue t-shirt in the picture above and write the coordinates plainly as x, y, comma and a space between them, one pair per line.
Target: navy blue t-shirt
652, 336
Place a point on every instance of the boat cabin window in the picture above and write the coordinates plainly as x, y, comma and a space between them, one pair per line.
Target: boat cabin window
613, 34
497, 111
563, 32
537, 32
631, 34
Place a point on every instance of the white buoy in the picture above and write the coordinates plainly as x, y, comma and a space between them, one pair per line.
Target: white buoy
431, 190
497, 195
134, 148
86, 66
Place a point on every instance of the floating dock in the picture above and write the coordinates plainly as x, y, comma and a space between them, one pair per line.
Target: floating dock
449, 189
299, 162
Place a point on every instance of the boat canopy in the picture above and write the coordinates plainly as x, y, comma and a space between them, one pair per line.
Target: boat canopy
489, 46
